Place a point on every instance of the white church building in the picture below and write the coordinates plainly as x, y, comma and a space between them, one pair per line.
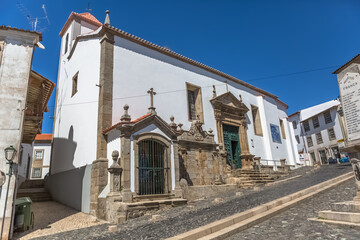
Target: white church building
116, 91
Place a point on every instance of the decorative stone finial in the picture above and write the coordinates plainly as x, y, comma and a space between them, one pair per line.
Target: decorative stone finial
107, 18
214, 91
180, 127
211, 132
115, 155
172, 123
240, 98
152, 94
126, 117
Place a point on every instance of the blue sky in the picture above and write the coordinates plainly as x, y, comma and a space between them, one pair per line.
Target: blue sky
289, 48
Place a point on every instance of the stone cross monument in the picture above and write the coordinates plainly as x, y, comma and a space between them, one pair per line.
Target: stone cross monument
152, 94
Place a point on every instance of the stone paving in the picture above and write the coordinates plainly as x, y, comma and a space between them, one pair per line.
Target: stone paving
181, 219
293, 224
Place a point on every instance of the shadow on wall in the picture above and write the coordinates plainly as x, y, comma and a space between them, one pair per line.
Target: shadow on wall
66, 182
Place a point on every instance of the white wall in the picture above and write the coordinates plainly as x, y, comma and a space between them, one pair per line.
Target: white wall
75, 123
137, 69
27, 151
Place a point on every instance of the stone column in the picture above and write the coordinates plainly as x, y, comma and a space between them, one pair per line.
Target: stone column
246, 157
177, 190
125, 162
99, 173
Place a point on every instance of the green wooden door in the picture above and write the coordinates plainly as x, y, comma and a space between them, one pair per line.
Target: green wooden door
232, 145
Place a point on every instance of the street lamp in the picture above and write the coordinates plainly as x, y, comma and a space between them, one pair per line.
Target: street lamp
10, 153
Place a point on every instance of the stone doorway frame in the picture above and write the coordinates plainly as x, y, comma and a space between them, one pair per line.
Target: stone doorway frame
167, 159
231, 111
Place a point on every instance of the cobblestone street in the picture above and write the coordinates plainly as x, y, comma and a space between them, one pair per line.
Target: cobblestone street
181, 219
293, 224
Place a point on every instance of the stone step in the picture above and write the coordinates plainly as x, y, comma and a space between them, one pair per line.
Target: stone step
350, 206
40, 183
340, 216
35, 194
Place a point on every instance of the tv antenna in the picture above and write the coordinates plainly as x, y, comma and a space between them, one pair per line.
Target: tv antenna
38, 24
88, 7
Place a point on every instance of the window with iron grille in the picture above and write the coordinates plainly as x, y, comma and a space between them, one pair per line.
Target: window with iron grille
256, 120
194, 101
309, 141
319, 139
327, 117
36, 173
294, 124
297, 139
38, 154
331, 133
315, 121
306, 126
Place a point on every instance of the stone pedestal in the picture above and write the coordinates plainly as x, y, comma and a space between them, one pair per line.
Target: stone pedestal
247, 161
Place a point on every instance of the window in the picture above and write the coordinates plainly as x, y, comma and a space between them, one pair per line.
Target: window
309, 141
38, 154
297, 139
66, 43
36, 173
319, 139
282, 129
256, 120
306, 126
294, 123
75, 84
331, 133
315, 121
194, 102
327, 117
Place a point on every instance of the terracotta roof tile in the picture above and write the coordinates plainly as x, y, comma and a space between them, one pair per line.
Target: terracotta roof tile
45, 136
119, 123
3, 27
87, 17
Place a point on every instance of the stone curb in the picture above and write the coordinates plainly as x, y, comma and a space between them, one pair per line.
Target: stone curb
348, 224
236, 223
283, 180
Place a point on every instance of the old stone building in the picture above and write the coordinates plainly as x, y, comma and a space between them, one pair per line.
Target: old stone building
24, 95
160, 116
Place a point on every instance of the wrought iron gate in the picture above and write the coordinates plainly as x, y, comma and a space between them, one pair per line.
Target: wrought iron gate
232, 145
151, 167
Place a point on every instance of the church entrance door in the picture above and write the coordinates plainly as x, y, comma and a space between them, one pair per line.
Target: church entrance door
151, 167
232, 145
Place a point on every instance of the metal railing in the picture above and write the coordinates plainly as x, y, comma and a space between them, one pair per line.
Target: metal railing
269, 166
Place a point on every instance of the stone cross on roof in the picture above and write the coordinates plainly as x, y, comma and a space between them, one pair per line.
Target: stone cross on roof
151, 108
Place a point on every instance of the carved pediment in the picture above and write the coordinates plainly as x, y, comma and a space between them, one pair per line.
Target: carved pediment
228, 101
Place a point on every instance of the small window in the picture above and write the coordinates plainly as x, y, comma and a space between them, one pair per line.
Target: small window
331, 133
195, 107
75, 84
327, 117
297, 139
294, 124
256, 120
36, 173
319, 139
38, 154
315, 121
309, 141
282, 129
306, 126
66, 43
